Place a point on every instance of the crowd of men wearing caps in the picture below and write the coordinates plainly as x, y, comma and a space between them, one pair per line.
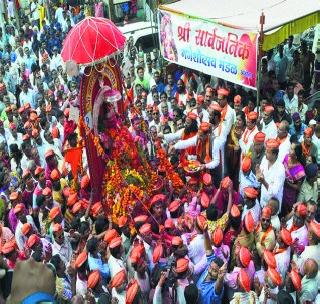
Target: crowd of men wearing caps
245, 228
208, 245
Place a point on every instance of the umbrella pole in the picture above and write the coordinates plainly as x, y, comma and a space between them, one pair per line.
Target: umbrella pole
261, 38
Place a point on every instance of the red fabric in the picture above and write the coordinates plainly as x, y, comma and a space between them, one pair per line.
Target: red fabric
222, 202
229, 237
73, 156
69, 126
91, 40
87, 99
17, 4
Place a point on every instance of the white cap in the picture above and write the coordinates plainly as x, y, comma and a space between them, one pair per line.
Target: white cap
312, 122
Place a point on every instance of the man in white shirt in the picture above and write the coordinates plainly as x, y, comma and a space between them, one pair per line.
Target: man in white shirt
209, 158
251, 130
281, 62
298, 229
59, 14
188, 131
251, 204
196, 251
312, 250
56, 59
291, 99
269, 128
289, 48
302, 107
61, 244
271, 174
28, 58
156, 119
227, 113
40, 145
282, 251
35, 11
200, 111
26, 95
20, 213
284, 140
15, 137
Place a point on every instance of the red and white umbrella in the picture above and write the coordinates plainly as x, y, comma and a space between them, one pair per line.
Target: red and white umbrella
92, 41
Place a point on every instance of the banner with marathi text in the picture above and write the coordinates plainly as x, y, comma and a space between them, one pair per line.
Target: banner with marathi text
208, 47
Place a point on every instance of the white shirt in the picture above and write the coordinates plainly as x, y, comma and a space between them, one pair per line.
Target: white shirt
205, 115
55, 62
81, 286
291, 104
222, 133
196, 249
284, 149
143, 283
12, 140
274, 176
26, 97
173, 136
121, 297
303, 112
301, 234
24, 162
270, 130
59, 15
283, 261
263, 295
157, 125
246, 139
310, 252
20, 238
288, 51
115, 265
64, 250
229, 118
42, 149
35, 8
275, 222
247, 181
191, 142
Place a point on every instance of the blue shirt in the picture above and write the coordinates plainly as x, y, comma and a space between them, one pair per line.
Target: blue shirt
279, 95
96, 263
12, 56
173, 91
29, 62
208, 289
299, 134
160, 87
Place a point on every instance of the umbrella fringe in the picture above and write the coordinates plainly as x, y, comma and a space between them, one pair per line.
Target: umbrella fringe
95, 62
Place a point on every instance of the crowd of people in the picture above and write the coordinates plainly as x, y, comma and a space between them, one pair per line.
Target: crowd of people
245, 226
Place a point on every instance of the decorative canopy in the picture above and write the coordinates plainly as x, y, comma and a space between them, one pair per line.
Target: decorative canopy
91, 41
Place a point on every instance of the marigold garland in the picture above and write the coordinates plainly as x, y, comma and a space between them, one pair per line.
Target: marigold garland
95, 139
128, 175
164, 163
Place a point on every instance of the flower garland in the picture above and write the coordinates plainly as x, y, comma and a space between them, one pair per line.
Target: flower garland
122, 189
128, 175
126, 178
166, 166
95, 139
